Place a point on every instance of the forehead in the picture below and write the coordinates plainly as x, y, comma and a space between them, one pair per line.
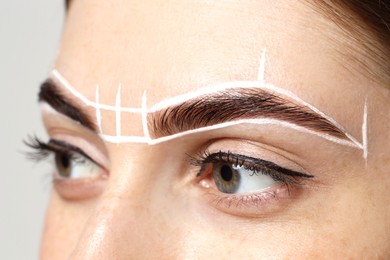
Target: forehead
177, 46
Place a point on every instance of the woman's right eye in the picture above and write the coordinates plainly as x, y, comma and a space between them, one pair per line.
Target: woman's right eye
76, 176
72, 165
70, 161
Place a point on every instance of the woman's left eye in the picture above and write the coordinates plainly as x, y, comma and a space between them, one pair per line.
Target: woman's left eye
233, 178
240, 174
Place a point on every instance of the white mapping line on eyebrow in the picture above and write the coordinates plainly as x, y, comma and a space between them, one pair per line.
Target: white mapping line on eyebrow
365, 132
98, 114
260, 121
261, 72
246, 84
145, 116
208, 90
56, 75
118, 111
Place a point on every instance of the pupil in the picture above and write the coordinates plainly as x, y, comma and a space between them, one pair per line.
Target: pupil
65, 161
226, 173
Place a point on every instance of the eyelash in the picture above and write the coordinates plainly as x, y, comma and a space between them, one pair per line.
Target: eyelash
250, 163
42, 150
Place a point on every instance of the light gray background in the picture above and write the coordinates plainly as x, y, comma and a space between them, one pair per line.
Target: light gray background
29, 37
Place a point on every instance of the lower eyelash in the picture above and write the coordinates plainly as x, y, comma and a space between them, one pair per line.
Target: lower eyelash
245, 200
256, 204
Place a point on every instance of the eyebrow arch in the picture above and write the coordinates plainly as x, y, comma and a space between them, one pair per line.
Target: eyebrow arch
50, 94
238, 104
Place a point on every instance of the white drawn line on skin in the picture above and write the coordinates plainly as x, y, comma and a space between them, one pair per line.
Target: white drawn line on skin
48, 109
246, 84
260, 121
118, 111
365, 132
98, 113
125, 139
261, 71
145, 116
56, 75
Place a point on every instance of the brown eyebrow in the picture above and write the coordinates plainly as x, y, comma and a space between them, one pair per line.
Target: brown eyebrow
237, 104
67, 4
50, 93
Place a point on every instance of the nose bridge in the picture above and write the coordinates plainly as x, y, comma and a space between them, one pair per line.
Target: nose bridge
124, 221
110, 232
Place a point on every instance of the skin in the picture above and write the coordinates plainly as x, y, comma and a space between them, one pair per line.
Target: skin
150, 203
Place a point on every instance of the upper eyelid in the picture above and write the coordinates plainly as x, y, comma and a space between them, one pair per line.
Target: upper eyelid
227, 157
70, 147
62, 128
55, 146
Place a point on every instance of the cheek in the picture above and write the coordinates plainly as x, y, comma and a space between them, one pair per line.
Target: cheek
338, 222
352, 219
63, 225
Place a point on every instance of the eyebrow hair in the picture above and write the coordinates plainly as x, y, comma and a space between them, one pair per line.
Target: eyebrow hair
50, 94
67, 4
236, 104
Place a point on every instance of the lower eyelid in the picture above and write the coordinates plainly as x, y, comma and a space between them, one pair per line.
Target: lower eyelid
80, 189
260, 204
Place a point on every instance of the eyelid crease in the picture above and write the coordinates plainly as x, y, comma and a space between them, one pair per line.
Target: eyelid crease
69, 148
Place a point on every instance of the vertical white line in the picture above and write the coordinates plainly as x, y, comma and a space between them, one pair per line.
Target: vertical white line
118, 111
261, 72
365, 132
98, 113
145, 116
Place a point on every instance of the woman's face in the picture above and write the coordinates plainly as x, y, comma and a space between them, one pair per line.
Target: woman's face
305, 174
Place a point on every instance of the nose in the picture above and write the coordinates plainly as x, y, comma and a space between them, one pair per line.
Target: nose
134, 213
